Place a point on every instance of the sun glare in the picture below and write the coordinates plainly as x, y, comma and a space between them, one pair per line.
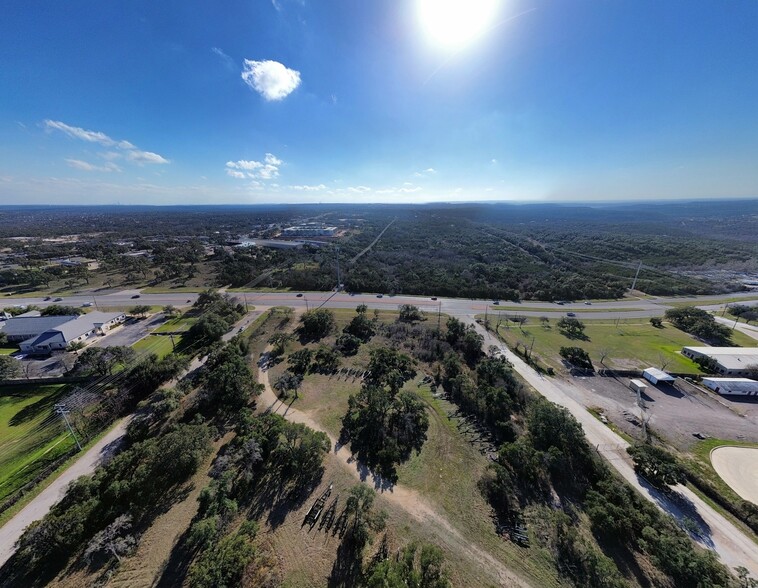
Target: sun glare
453, 24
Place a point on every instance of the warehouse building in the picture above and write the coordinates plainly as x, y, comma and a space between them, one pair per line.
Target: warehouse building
729, 361
732, 386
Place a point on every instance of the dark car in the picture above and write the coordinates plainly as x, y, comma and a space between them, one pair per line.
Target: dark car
135, 296
434, 298
570, 314
299, 296
380, 295
496, 302
58, 300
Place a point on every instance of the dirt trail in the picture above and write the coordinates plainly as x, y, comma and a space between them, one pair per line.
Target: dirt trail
409, 500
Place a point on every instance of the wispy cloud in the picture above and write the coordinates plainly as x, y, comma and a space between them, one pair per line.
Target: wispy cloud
132, 153
430, 171
86, 166
267, 169
225, 59
307, 188
271, 79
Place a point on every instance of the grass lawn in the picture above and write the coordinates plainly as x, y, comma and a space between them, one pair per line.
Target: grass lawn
31, 436
633, 344
159, 344
8, 350
178, 324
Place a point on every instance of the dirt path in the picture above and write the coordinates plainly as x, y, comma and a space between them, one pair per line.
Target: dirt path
409, 500
40, 506
719, 534
738, 467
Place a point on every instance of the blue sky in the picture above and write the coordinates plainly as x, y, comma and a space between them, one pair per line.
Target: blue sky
361, 101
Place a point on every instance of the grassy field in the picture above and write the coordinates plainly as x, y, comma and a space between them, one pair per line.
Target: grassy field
31, 436
8, 350
161, 345
179, 324
632, 344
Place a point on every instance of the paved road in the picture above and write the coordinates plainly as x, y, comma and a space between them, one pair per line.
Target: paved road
130, 332
44, 501
733, 546
627, 308
85, 465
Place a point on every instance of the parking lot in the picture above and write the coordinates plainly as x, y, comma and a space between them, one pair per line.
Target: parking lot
674, 412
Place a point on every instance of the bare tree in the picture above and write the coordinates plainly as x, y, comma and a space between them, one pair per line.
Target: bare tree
604, 352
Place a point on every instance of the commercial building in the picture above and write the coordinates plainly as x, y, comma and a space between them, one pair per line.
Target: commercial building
732, 386
309, 231
72, 332
21, 328
656, 376
728, 361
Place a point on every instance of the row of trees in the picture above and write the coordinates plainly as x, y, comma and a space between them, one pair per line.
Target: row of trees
700, 324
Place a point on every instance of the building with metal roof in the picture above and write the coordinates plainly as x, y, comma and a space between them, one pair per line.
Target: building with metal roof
729, 361
656, 376
21, 328
72, 332
732, 386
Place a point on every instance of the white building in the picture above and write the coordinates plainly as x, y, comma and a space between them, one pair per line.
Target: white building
656, 376
309, 231
732, 386
72, 332
730, 361
637, 386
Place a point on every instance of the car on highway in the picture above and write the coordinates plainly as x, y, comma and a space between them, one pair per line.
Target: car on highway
570, 314
86, 305
299, 296
135, 296
380, 295
47, 298
434, 298
59, 299
588, 303
560, 302
495, 302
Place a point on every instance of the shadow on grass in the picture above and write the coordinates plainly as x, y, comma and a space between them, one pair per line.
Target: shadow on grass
33, 410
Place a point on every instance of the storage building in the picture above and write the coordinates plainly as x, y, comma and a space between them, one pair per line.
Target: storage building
656, 376
732, 386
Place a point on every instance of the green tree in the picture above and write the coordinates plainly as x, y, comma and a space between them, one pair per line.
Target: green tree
10, 367
577, 357
170, 310
140, 310
316, 324
300, 361
60, 310
571, 327
410, 313
279, 340
288, 382
347, 344
656, 465
657, 322
326, 360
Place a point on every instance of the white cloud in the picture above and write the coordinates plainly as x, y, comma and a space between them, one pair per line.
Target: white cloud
306, 188
268, 169
140, 157
427, 172
493, 161
86, 166
79, 133
270, 79
132, 153
235, 174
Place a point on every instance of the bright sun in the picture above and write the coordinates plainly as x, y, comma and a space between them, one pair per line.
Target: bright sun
455, 23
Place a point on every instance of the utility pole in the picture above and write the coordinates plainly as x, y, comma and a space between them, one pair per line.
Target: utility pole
306, 303
63, 411
634, 282
244, 294
94, 300
439, 318
173, 344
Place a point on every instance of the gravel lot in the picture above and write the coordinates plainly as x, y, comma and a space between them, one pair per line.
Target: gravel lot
675, 412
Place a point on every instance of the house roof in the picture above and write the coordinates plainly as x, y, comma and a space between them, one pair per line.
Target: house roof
34, 324
659, 374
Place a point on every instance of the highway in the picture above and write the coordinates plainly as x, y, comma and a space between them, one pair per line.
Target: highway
626, 308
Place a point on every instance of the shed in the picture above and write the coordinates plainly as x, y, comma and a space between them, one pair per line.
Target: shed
656, 376
732, 386
637, 386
